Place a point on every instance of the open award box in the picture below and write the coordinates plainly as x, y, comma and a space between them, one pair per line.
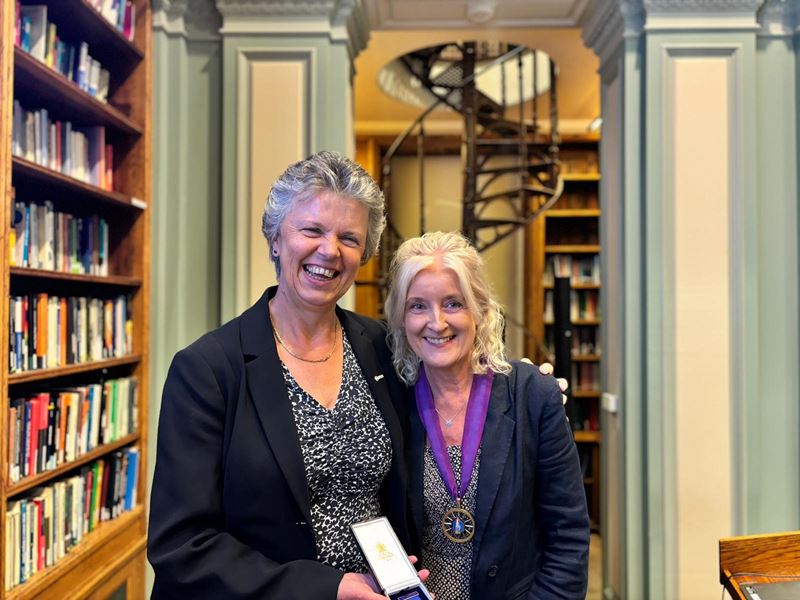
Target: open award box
388, 561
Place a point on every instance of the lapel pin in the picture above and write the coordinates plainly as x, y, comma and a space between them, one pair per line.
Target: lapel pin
378, 377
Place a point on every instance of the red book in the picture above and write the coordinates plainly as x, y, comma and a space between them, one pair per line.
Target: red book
44, 417
33, 436
38, 516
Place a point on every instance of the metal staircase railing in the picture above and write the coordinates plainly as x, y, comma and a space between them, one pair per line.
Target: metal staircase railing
511, 167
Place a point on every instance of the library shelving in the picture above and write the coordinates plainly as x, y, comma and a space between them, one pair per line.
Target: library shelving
75, 181
565, 243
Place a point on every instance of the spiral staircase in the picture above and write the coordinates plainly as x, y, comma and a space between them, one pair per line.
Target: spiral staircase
509, 144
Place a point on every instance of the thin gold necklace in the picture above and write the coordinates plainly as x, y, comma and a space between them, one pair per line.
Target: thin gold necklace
308, 360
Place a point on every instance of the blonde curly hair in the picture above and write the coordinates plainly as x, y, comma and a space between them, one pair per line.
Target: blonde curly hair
455, 252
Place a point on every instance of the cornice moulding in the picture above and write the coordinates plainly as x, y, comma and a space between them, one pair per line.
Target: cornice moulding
344, 21
693, 6
196, 20
607, 22
275, 8
778, 18
693, 15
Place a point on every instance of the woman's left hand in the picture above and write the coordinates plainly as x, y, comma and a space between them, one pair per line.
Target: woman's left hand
422, 573
547, 369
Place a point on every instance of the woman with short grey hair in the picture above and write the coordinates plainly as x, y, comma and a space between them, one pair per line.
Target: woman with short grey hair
278, 430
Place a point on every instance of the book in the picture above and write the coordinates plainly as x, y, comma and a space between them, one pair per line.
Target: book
36, 14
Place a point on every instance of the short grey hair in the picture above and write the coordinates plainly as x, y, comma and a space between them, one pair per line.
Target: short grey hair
324, 172
457, 253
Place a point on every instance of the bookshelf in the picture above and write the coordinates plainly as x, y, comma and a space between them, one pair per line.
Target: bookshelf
75, 288
566, 242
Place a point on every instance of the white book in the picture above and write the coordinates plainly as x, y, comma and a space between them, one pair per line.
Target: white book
58, 521
96, 395
14, 551
108, 11
102, 85
52, 332
37, 135
38, 37
30, 136
94, 76
83, 340
70, 452
83, 66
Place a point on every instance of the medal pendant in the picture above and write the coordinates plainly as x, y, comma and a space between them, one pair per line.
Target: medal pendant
458, 524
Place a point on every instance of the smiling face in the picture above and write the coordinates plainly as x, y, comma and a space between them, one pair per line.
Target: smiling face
320, 245
439, 327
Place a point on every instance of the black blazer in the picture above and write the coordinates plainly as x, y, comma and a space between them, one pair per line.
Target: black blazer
532, 526
229, 509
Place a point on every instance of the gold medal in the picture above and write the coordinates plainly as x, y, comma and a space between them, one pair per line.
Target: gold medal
458, 524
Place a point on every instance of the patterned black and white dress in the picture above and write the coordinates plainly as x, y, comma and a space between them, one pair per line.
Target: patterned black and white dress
347, 453
450, 563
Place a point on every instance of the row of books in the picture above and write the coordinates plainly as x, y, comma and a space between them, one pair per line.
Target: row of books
39, 37
583, 305
586, 376
43, 527
43, 238
585, 340
580, 269
80, 152
120, 13
583, 415
49, 429
51, 331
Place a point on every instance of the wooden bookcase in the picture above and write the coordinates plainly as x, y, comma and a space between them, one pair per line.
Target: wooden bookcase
568, 237
110, 558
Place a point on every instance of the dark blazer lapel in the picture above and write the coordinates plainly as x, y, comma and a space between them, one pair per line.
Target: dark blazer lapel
416, 466
268, 392
366, 353
497, 434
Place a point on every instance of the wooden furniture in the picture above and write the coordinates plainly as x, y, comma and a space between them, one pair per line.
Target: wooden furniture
368, 280
566, 243
109, 560
758, 559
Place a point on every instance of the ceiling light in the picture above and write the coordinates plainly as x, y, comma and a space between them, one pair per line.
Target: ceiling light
480, 11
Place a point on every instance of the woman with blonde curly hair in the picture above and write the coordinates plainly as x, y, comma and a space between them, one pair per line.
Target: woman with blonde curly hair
495, 485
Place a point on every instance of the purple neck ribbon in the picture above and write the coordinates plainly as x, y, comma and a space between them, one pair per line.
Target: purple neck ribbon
477, 407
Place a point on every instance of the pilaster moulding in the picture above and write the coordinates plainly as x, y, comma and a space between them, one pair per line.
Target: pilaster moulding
607, 22
343, 20
779, 18
708, 15
195, 20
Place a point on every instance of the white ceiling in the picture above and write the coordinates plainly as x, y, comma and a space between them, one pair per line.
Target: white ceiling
435, 14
